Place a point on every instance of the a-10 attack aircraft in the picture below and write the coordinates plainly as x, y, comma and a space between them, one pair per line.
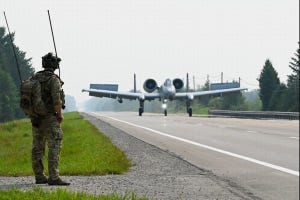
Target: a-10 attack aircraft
168, 91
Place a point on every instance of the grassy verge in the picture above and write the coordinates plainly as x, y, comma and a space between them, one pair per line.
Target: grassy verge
85, 151
197, 109
200, 110
59, 194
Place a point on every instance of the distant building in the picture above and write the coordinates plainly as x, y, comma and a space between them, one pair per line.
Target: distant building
112, 87
220, 86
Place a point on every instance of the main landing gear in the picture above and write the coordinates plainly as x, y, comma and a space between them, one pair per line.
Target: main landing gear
141, 109
189, 109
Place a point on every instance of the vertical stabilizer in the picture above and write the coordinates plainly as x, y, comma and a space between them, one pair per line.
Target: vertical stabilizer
187, 82
134, 83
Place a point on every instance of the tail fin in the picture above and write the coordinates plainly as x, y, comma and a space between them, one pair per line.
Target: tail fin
187, 82
134, 83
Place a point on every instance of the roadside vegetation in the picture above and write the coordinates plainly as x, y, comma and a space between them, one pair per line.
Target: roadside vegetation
59, 194
85, 151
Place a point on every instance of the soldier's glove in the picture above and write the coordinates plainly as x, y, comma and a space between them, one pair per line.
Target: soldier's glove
59, 118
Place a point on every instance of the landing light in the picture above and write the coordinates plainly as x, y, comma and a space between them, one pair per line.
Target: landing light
164, 106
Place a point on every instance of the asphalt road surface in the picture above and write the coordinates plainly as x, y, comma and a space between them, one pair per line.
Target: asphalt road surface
260, 155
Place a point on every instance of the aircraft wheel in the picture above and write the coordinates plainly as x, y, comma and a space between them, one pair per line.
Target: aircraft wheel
141, 110
165, 112
190, 111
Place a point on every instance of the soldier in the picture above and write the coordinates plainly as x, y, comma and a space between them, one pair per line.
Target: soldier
47, 128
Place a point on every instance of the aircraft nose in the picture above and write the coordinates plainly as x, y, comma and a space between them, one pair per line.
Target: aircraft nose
171, 90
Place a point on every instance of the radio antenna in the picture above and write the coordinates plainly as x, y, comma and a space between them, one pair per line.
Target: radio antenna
12, 44
53, 41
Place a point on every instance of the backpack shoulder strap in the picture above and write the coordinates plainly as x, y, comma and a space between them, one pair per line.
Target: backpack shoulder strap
44, 76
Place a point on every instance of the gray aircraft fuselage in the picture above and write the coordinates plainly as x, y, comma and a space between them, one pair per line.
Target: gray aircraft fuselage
167, 90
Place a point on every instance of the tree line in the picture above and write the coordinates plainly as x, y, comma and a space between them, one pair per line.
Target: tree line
9, 77
272, 94
278, 96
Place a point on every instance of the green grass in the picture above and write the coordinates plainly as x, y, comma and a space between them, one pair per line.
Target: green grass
200, 110
59, 194
197, 109
85, 151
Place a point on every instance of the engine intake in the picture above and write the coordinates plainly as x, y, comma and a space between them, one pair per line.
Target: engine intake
150, 85
178, 84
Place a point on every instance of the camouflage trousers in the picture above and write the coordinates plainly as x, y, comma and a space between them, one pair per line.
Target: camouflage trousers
46, 129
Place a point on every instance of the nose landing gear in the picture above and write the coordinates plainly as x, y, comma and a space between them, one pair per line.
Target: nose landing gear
164, 107
165, 112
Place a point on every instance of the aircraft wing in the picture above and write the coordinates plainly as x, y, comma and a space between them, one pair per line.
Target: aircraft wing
192, 95
121, 95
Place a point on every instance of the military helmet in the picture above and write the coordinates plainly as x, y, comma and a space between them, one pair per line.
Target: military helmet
50, 61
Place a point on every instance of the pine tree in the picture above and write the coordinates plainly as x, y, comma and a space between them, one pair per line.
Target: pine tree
8, 97
293, 84
10, 81
279, 98
8, 61
268, 82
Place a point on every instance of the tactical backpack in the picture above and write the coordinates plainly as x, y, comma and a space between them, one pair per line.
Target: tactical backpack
31, 97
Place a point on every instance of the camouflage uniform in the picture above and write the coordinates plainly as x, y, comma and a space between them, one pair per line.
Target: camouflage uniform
47, 128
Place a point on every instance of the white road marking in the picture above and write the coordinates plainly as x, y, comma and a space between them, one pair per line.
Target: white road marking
283, 169
297, 138
252, 131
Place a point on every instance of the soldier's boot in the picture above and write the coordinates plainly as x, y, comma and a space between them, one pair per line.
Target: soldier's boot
41, 180
57, 182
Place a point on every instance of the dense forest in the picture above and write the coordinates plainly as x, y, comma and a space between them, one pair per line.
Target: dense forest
272, 95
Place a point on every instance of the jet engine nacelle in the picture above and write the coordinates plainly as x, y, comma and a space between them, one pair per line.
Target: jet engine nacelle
150, 85
178, 84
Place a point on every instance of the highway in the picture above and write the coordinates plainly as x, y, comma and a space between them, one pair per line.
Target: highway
260, 155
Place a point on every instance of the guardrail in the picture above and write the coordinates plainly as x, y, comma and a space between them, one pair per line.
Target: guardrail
256, 114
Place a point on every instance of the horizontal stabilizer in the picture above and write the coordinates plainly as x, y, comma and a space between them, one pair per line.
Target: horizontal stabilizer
110, 87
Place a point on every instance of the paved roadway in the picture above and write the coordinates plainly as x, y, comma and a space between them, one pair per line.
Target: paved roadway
260, 155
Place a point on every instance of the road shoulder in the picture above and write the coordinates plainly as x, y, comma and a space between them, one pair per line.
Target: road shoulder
158, 174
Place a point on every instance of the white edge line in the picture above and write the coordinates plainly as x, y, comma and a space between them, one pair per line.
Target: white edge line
283, 169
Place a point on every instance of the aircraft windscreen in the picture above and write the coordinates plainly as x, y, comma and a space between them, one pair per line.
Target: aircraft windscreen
168, 83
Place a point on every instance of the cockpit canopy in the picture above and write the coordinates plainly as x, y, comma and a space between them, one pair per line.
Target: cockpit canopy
168, 83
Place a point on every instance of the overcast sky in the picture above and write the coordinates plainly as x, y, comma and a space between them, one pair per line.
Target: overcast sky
107, 41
